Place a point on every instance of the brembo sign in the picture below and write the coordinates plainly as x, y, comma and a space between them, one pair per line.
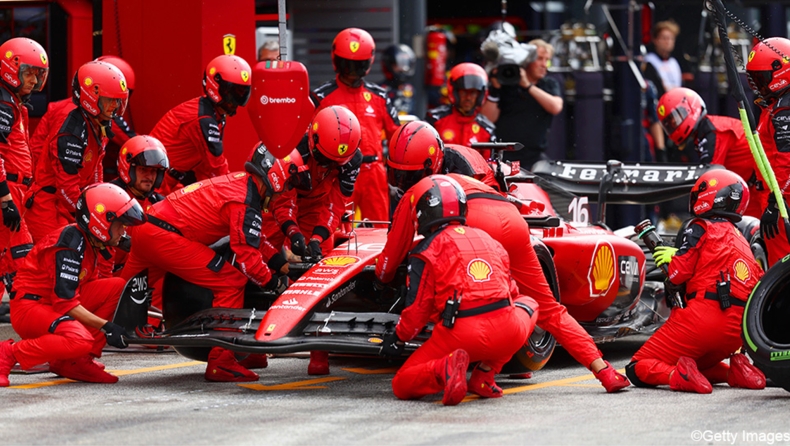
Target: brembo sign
266, 100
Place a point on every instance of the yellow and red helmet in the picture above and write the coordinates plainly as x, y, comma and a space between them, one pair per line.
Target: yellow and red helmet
145, 151
467, 76
100, 205
97, 83
679, 111
415, 151
438, 199
334, 135
769, 67
719, 193
353, 52
21, 54
122, 65
227, 81
279, 175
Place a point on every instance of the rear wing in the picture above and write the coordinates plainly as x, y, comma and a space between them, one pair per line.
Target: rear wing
640, 183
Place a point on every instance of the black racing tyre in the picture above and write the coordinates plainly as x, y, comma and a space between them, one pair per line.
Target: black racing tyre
536, 353
181, 299
766, 324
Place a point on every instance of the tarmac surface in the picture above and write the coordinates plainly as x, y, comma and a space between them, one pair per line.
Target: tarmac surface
162, 398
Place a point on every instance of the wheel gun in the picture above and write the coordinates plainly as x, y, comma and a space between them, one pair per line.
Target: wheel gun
647, 233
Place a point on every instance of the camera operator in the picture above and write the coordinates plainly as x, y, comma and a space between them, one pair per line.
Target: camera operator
523, 112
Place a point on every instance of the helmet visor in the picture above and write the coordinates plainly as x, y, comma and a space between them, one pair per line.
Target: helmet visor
672, 121
404, 179
235, 94
469, 82
131, 214
150, 158
762, 79
404, 64
40, 73
346, 67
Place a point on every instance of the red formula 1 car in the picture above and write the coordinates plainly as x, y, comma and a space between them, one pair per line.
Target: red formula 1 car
334, 305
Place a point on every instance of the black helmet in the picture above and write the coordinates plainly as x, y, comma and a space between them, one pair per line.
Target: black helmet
439, 199
398, 62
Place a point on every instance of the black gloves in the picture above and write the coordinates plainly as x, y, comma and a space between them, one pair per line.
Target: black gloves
180, 176
769, 223
125, 243
314, 250
662, 156
115, 334
276, 284
392, 345
297, 244
11, 218
669, 292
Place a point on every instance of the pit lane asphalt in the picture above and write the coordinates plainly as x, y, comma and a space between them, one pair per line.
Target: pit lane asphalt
161, 398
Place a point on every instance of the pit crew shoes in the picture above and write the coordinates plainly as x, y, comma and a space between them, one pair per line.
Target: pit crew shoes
742, 373
255, 361
451, 373
7, 361
223, 367
483, 384
687, 378
611, 379
82, 369
319, 363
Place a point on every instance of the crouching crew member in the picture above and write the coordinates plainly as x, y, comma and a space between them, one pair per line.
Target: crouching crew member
459, 280
719, 271
60, 307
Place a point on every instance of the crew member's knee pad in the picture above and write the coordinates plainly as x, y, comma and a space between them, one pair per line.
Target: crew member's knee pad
630, 372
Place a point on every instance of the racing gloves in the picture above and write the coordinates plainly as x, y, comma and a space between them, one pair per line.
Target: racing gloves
392, 345
115, 334
314, 250
11, 218
277, 284
663, 254
298, 244
125, 243
769, 223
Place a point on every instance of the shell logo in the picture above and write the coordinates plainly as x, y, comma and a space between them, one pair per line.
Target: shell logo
661, 110
431, 150
100, 208
240, 175
245, 76
315, 126
411, 200
124, 150
89, 156
601, 275
479, 270
460, 230
339, 261
448, 135
212, 70
9, 54
713, 182
375, 340
189, 188
367, 96
123, 85
475, 128
751, 56
742, 273
342, 149
353, 46
88, 82
287, 158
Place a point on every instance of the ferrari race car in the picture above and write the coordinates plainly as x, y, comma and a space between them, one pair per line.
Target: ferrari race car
334, 304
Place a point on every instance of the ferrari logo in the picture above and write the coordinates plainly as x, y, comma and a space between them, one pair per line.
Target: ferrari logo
270, 328
475, 128
123, 85
742, 272
367, 96
43, 58
339, 261
447, 136
661, 110
354, 47
245, 76
460, 230
229, 44
479, 270
342, 149
751, 56
100, 208
190, 188
601, 276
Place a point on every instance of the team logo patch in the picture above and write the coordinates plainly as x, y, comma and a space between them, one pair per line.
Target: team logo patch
601, 276
742, 273
342, 149
88, 156
123, 151
229, 44
367, 96
479, 270
339, 261
43, 58
751, 56
448, 135
460, 230
190, 188
431, 150
88, 82
661, 110
475, 128
245, 76
240, 175
123, 85
270, 328
287, 158
100, 208
315, 126
353, 46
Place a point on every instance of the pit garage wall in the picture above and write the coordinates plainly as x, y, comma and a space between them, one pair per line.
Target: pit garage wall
169, 43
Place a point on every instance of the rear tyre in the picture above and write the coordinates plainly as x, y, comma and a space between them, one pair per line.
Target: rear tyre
535, 355
766, 332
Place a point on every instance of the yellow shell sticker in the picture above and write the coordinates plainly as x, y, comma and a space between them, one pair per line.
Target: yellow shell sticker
270, 328
9, 54
479, 270
240, 175
339, 261
43, 58
460, 230
367, 96
601, 276
245, 76
661, 110
342, 149
287, 158
353, 46
447, 135
742, 272
229, 44
212, 70
83, 273
431, 150
88, 156
315, 126
751, 55
713, 182
475, 128
123, 85
411, 200
88, 82
100, 208
190, 188
123, 151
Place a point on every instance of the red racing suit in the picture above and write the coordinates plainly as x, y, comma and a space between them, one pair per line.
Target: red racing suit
455, 128
720, 140
71, 161
702, 330
192, 134
180, 229
775, 137
15, 177
466, 262
491, 212
59, 274
378, 119
316, 214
